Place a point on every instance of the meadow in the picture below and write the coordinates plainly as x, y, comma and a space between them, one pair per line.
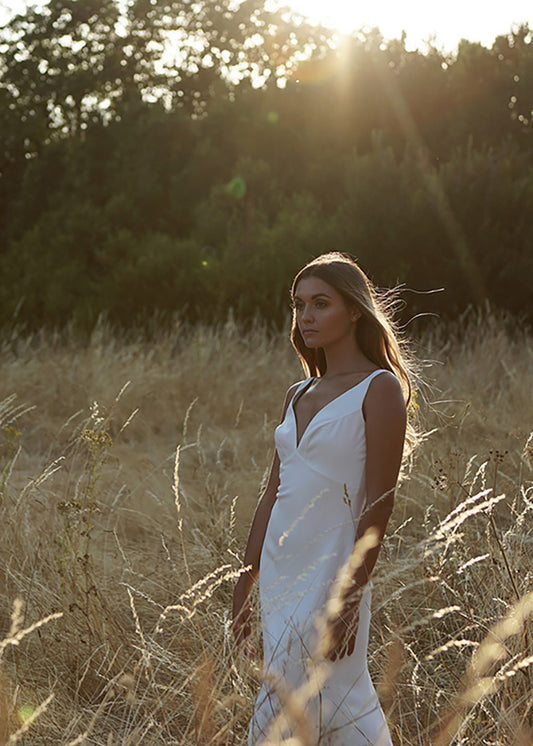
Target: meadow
129, 472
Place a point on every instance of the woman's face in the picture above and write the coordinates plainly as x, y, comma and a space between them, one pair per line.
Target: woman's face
322, 316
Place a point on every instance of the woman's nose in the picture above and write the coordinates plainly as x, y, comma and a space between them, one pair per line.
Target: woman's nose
307, 312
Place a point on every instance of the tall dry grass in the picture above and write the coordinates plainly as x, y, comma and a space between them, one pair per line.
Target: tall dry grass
117, 559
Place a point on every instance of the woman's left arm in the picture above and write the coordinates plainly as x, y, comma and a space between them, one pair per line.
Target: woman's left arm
385, 416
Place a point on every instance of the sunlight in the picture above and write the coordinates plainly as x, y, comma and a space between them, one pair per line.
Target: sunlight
442, 23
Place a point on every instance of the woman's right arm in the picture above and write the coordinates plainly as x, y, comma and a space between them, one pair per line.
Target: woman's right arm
242, 610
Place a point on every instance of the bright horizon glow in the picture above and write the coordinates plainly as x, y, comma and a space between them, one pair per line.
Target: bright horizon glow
445, 24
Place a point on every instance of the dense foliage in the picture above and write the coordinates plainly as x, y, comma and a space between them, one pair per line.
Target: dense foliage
168, 156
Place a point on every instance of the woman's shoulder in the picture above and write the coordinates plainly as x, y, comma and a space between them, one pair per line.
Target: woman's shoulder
294, 388
384, 382
291, 391
385, 377
384, 392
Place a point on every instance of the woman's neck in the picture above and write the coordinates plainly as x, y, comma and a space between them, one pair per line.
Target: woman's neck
344, 361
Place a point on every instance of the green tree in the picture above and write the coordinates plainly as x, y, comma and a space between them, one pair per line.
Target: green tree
515, 54
60, 63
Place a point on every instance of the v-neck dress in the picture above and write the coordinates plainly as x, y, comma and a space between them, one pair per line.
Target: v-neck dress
309, 537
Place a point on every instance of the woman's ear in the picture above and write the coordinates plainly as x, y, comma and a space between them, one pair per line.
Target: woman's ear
355, 314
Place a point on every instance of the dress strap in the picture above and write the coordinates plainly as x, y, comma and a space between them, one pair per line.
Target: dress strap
365, 383
376, 373
301, 388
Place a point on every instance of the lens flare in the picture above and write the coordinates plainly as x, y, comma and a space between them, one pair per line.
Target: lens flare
236, 188
25, 713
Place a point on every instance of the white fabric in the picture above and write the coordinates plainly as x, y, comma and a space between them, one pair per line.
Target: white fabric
310, 535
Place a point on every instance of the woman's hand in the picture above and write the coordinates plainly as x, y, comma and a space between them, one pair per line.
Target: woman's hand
242, 620
243, 615
342, 634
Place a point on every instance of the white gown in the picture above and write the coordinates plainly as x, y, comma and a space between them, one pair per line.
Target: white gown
310, 535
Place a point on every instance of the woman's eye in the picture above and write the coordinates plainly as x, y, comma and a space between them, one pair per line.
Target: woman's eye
321, 304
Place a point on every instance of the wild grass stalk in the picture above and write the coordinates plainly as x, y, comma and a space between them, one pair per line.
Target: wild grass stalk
124, 556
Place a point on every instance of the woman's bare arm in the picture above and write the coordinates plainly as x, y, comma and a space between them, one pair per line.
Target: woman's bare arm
241, 606
386, 419
385, 415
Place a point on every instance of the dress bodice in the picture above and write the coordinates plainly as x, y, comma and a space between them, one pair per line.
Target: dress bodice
334, 441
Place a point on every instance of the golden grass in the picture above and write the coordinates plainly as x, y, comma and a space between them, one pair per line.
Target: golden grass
116, 567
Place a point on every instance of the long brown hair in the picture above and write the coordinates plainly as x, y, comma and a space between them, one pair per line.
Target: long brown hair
377, 334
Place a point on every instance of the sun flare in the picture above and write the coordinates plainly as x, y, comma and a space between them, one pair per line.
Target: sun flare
441, 23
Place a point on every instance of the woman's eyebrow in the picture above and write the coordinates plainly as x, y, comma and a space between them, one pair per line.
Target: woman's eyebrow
313, 297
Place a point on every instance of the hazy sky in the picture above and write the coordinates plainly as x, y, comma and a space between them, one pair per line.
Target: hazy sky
447, 22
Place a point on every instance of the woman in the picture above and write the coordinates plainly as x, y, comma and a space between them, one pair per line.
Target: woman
338, 454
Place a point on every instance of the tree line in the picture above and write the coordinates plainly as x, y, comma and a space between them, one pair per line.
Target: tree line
168, 156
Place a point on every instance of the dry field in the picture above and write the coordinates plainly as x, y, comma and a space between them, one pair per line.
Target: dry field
117, 559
